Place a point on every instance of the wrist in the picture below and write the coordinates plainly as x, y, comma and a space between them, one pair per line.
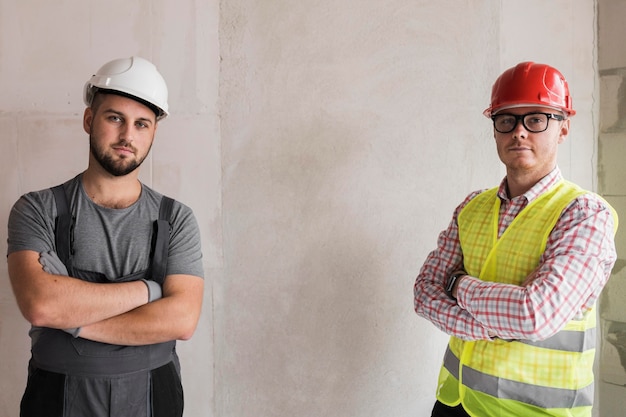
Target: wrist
154, 290
453, 282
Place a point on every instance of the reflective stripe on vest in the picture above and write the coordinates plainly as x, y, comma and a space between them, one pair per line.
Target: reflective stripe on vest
544, 397
567, 340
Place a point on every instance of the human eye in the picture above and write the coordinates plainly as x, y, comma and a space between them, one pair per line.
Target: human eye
505, 121
115, 118
142, 124
535, 119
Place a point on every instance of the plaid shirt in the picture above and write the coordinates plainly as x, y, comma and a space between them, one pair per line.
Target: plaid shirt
576, 264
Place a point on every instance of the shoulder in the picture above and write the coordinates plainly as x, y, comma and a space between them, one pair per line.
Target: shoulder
179, 211
584, 200
589, 206
41, 201
41, 205
31, 222
591, 203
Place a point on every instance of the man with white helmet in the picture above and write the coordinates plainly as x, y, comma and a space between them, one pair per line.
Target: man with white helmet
516, 274
108, 271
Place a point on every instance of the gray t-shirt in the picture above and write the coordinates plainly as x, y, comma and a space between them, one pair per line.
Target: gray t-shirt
114, 242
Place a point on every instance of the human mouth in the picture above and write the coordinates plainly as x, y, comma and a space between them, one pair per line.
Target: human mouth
518, 149
123, 150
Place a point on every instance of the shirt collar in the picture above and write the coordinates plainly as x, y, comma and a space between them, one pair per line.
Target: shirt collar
536, 190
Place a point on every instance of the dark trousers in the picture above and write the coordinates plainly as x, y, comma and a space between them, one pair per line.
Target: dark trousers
442, 410
47, 395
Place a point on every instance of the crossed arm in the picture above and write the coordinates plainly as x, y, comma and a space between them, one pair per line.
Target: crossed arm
574, 268
116, 313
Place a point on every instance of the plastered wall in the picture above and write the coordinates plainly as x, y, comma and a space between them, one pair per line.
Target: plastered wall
612, 71
322, 144
349, 134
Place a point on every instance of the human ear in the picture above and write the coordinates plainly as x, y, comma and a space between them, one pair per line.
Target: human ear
87, 120
564, 130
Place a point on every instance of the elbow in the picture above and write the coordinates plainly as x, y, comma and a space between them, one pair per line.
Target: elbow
538, 324
187, 327
537, 330
417, 307
36, 320
40, 311
186, 333
539, 334
37, 314
185, 336
417, 296
421, 299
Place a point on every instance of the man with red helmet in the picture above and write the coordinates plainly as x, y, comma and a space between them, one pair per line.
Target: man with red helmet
516, 274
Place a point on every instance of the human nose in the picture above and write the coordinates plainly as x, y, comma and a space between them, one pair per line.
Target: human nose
126, 132
520, 131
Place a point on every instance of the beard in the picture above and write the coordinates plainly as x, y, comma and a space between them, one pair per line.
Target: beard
119, 167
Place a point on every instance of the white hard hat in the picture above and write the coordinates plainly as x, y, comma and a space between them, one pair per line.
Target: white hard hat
134, 76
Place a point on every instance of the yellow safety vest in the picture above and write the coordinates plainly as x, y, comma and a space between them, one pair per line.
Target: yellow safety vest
552, 377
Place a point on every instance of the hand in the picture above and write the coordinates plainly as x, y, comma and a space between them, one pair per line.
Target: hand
52, 264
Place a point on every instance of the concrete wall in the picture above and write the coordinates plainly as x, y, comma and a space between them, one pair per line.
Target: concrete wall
323, 145
612, 139
349, 134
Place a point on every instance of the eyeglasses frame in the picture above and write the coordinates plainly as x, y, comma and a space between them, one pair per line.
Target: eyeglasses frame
521, 117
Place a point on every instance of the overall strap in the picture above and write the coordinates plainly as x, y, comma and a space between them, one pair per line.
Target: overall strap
63, 226
162, 241
160, 244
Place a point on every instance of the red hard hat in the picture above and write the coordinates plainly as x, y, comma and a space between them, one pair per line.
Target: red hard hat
530, 84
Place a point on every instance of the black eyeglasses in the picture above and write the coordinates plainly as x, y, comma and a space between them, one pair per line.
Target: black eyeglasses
533, 122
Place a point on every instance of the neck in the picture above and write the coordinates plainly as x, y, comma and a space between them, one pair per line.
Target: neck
111, 191
517, 188
520, 182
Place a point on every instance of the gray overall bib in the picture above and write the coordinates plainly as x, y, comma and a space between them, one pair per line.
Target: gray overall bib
75, 377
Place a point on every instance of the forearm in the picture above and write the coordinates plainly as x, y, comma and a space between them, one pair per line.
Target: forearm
152, 323
432, 303
552, 297
173, 317
430, 298
57, 301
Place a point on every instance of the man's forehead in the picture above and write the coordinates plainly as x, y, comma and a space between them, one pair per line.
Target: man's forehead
123, 104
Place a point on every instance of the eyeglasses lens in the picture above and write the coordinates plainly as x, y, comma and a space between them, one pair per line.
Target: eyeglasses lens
533, 122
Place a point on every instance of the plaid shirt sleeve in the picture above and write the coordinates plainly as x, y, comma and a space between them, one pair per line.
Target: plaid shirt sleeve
574, 268
430, 298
